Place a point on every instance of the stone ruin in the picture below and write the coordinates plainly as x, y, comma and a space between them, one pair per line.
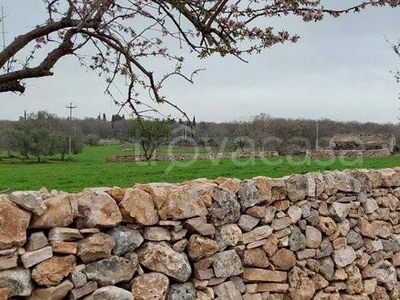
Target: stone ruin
363, 141
331, 235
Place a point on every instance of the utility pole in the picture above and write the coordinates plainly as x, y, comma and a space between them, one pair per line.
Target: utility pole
70, 107
2, 27
316, 139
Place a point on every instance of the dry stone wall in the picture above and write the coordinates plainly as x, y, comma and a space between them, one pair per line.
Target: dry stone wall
331, 235
348, 153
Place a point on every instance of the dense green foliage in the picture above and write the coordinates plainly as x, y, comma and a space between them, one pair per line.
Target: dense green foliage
89, 169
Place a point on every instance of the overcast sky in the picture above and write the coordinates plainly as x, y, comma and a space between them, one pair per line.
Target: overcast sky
339, 69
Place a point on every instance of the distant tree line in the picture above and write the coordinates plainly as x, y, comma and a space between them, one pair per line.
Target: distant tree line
45, 134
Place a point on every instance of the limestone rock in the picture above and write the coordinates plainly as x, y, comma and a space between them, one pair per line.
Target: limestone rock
339, 211
281, 223
150, 286
200, 247
390, 177
116, 193
229, 234
296, 187
78, 278
60, 212
58, 292
283, 259
12, 233
297, 240
97, 209
248, 195
225, 208
247, 222
227, 263
183, 202
303, 290
185, 291
110, 293
64, 234
84, 290
126, 239
17, 280
138, 207
256, 274
32, 258
159, 257
295, 213
156, 234
255, 258
31, 202
313, 237
52, 271
344, 256
96, 246
9, 260
327, 225
227, 290
256, 234
370, 206
110, 271
36, 241
200, 225
65, 247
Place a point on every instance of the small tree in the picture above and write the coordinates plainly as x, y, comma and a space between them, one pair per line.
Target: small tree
150, 134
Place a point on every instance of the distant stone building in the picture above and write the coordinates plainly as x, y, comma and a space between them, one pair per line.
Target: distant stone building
362, 141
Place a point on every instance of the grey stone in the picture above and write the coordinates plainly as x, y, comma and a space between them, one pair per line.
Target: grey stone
110, 293
184, 291
111, 270
228, 235
295, 213
29, 201
313, 218
344, 256
248, 195
82, 291
32, 258
227, 263
247, 223
325, 249
370, 206
64, 234
36, 241
269, 214
327, 268
17, 280
9, 261
297, 240
354, 239
225, 208
296, 187
126, 239
78, 278
339, 211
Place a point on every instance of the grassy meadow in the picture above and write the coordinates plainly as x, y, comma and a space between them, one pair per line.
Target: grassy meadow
90, 169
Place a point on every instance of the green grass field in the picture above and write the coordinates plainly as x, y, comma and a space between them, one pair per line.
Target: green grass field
90, 169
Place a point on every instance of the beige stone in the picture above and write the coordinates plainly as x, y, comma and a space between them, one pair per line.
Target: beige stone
257, 274
327, 225
255, 258
272, 287
365, 228
32, 258
52, 271
313, 237
116, 193
94, 247
150, 286
12, 233
278, 224
200, 247
138, 207
65, 247
60, 212
283, 259
58, 292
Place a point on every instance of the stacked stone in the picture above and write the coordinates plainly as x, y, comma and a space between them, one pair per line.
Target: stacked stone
328, 235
